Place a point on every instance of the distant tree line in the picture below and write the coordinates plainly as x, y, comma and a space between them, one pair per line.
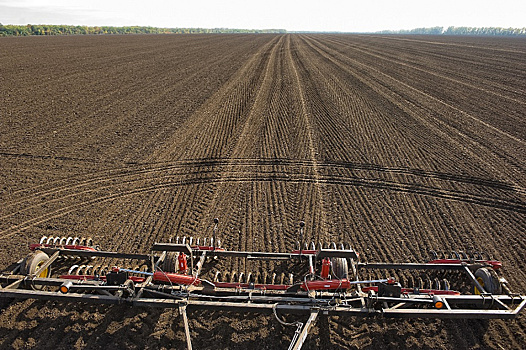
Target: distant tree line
30, 29
493, 31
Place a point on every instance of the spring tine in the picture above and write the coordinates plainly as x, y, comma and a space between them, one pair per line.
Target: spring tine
454, 255
434, 255
410, 282
445, 284
427, 282
240, 277
249, 277
463, 255
191, 241
291, 279
217, 276
88, 270
333, 245
72, 268
273, 279
282, 278
403, 281
312, 246
43, 240
320, 246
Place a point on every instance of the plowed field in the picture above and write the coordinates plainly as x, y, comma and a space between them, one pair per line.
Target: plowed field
397, 145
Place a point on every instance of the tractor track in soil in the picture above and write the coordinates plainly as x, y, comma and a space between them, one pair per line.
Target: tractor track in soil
191, 174
396, 145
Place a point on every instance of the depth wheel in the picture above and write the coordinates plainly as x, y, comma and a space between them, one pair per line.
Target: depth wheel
170, 262
340, 268
489, 280
32, 264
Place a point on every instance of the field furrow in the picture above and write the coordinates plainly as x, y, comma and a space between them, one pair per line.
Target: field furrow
395, 145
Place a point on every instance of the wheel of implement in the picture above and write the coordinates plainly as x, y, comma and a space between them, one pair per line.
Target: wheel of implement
32, 264
489, 280
170, 262
340, 268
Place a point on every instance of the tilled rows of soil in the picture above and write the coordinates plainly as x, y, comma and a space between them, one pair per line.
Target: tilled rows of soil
396, 145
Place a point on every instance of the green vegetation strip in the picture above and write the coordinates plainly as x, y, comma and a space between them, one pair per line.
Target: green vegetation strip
41, 29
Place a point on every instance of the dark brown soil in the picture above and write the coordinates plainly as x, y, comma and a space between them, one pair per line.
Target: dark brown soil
398, 145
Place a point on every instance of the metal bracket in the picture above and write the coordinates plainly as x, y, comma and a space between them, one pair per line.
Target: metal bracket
182, 311
299, 339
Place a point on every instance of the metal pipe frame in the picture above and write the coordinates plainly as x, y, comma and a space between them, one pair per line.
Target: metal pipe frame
266, 307
252, 300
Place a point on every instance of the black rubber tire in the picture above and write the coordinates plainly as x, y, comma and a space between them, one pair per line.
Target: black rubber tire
340, 268
170, 262
489, 280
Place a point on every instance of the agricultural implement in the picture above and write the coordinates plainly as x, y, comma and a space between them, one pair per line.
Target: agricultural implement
322, 279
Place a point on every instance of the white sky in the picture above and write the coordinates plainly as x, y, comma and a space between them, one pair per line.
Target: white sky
320, 15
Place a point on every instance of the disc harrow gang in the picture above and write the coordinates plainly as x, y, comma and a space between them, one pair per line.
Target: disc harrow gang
314, 277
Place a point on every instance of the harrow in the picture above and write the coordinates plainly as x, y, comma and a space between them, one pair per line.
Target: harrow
313, 280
